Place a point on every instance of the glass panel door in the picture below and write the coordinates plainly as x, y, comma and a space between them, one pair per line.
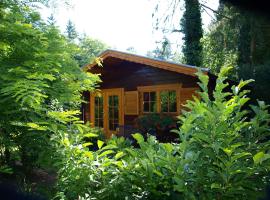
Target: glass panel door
107, 110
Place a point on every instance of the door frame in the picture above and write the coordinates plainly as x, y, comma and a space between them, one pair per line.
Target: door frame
106, 93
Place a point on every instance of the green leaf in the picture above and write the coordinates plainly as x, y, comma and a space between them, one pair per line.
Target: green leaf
215, 186
119, 155
35, 126
260, 157
240, 155
100, 144
257, 158
87, 144
90, 135
138, 137
179, 187
168, 147
227, 151
158, 173
106, 153
89, 154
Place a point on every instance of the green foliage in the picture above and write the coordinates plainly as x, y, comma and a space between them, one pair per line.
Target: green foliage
191, 26
222, 145
154, 121
223, 154
40, 86
220, 43
239, 38
88, 49
117, 170
162, 52
71, 31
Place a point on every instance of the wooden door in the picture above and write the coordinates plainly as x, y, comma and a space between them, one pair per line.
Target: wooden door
107, 110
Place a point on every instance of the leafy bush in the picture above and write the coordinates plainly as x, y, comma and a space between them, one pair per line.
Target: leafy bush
157, 124
225, 151
223, 154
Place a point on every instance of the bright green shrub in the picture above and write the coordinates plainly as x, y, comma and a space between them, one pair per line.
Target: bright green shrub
40, 86
225, 148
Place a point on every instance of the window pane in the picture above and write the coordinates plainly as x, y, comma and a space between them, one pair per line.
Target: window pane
96, 101
146, 96
146, 107
164, 107
96, 112
116, 124
172, 101
152, 96
164, 98
111, 125
101, 122
96, 122
110, 101
116, 114
153, 107
115, 99
111, 113
172, 107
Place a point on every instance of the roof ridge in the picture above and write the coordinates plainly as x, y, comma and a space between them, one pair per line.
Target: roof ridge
156, 59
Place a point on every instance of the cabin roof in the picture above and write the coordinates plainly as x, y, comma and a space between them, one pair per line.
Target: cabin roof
161, 64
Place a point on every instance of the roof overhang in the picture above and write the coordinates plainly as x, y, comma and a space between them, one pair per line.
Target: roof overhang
161, 64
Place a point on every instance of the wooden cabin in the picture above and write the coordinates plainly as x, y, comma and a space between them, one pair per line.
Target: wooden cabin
134, 86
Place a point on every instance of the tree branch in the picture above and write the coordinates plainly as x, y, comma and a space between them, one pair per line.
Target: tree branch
214, 11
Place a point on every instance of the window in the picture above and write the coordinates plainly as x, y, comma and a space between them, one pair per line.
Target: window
160, 98
168, 101
149, 102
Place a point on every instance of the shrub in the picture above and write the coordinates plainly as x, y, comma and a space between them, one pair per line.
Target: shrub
225, 151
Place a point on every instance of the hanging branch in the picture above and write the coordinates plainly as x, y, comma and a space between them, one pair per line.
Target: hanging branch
214, 11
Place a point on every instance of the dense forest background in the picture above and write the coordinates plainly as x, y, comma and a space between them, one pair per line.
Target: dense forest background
238, 36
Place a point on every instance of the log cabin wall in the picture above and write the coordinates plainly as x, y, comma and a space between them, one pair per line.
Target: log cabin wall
117, 73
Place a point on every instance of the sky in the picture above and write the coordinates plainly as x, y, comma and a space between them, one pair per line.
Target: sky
119, 23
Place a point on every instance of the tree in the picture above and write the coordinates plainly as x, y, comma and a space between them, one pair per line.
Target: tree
88, 49
191, 25
51, 20
163, 51
131, 49
240, 38
220, 42
40, 86
71, 31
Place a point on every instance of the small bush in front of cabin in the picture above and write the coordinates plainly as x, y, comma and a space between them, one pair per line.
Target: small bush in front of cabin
225, 149
223, 154
159, 125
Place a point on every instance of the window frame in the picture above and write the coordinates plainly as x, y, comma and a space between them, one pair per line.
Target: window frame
158, 89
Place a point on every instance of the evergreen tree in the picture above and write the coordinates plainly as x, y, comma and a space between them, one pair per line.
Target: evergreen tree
51, 20
191, 24
71, 31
